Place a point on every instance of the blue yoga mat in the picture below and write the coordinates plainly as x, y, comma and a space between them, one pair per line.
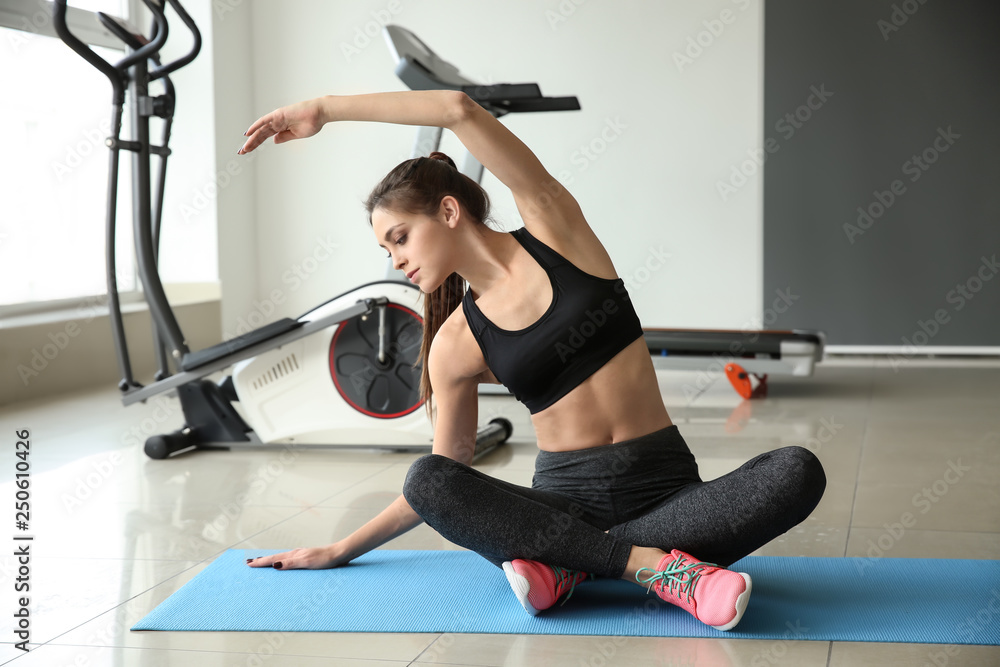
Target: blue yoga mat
840, 599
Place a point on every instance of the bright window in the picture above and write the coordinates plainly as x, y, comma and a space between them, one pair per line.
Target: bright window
56, 112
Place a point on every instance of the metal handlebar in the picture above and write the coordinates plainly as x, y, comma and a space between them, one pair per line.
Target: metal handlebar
195, 49
116, 77
117, 73
156, 42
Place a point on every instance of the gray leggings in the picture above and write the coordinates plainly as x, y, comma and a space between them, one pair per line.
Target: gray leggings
644, 492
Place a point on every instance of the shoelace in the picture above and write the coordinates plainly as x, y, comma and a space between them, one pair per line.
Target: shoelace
677, 577
562, 576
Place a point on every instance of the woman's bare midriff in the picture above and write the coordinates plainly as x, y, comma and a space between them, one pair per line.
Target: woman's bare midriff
619, 402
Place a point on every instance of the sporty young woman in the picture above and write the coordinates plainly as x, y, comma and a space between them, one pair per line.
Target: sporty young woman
616, 491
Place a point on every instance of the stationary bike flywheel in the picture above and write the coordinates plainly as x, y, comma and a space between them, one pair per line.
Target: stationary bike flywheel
373, 361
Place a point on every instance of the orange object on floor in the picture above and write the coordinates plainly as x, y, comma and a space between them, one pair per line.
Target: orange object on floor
743, 382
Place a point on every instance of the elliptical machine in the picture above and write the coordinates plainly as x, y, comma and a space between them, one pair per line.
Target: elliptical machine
344, 373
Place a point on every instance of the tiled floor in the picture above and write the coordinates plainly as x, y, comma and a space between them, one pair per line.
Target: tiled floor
117, 533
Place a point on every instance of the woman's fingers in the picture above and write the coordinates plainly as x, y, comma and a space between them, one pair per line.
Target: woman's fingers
266, 561
314, 558
296, 121
259, 133
259, 123
282, 561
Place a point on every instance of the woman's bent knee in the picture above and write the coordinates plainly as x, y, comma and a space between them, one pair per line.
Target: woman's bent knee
427, 479
806, 470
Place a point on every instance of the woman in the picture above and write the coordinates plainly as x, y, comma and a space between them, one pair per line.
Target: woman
616, 492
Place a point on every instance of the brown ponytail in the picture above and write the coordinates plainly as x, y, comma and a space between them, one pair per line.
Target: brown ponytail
417, 186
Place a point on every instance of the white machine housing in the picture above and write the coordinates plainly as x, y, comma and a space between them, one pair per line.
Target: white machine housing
273, 387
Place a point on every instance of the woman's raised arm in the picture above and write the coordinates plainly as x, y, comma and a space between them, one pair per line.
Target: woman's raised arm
541, 199
431, 108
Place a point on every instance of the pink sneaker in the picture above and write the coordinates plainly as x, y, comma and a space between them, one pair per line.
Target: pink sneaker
714, 595
537, 585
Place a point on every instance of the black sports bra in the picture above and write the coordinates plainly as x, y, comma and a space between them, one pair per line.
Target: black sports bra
590, 320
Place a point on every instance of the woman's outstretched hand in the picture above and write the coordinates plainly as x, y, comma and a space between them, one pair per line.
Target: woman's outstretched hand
313, 558
296, 121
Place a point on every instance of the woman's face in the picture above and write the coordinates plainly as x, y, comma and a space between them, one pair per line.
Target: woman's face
415, 242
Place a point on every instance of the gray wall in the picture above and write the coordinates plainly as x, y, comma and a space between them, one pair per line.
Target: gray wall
895, 79
681, 79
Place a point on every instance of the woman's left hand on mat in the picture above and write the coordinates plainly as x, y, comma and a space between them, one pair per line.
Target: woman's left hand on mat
313, 558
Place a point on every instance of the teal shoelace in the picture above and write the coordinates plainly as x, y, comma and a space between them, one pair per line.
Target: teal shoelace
677, 577
563, 575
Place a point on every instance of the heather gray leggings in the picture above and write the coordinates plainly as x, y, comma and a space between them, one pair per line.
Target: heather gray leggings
645, 492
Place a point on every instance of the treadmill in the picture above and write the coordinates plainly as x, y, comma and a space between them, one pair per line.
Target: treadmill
747, 357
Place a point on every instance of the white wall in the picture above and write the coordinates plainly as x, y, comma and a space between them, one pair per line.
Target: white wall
233, 184
264, 223
54, 355
653, 189
188, 242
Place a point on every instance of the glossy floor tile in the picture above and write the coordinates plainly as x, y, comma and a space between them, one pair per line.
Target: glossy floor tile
116, 533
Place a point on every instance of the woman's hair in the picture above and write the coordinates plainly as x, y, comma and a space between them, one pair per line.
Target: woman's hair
417, 186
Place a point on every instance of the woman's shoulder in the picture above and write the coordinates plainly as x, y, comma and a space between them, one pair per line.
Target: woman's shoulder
462, 353
579, 245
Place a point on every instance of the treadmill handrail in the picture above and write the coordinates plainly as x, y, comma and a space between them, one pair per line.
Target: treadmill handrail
408, 48
421, 69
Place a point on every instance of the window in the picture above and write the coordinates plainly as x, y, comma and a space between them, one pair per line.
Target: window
56, 114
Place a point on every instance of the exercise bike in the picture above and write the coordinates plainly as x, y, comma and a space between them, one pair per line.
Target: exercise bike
344, 373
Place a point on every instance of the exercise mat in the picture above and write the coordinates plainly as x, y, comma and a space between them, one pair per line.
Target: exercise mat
842, 599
